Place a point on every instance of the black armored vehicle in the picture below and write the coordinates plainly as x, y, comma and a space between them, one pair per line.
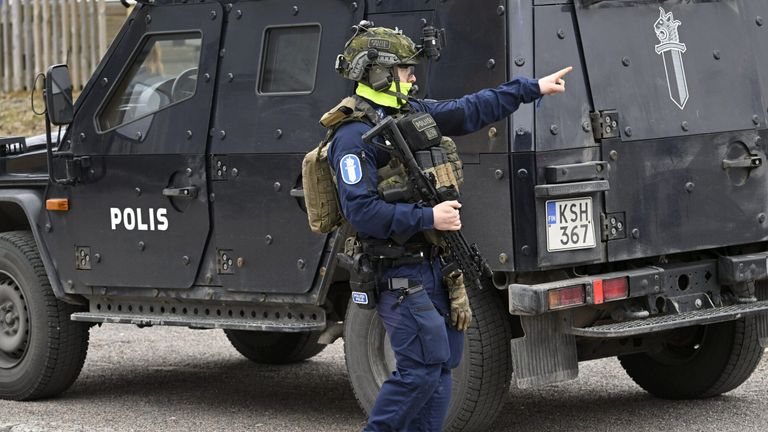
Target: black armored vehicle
627, 217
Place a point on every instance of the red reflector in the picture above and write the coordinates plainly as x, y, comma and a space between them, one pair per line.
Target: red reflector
597, 291
568, 296
615, 289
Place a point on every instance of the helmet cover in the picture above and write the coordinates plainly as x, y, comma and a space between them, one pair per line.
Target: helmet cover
375, 46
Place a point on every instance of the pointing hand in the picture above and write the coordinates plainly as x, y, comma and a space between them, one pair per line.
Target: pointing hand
554, 83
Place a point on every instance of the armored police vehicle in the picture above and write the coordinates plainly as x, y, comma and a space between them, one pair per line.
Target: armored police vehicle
627, 217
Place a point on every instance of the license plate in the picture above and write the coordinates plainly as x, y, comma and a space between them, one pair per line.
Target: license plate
569, 225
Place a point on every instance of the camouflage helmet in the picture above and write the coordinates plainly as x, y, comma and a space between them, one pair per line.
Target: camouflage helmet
374, 46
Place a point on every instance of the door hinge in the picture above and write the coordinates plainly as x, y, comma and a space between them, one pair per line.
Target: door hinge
73, 167
605, 124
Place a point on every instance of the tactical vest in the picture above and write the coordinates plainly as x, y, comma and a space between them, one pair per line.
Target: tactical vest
319, 181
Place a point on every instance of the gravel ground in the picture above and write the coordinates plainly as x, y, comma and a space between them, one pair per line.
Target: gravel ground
171, 379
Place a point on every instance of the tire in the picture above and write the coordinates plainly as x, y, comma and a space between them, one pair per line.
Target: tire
275, 347
480, 383
699, 362
41, 350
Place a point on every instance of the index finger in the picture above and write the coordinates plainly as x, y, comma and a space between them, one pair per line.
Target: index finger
562, 72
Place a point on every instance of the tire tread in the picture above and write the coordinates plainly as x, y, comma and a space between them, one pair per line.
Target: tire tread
67, 341
743, 353
292, 348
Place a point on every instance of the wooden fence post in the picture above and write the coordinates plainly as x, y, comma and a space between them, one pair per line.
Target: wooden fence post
38, 44
46, 35
26, 28
6, 46
64, 10
94, 33
74, 45
102, 12
16, 44
85, 37
55, 32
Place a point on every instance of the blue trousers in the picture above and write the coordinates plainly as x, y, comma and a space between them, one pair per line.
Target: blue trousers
426, 347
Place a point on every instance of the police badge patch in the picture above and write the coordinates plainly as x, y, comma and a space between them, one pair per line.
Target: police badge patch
359, 298
350, 169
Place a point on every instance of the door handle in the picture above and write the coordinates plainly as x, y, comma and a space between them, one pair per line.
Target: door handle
753, 161
184, 192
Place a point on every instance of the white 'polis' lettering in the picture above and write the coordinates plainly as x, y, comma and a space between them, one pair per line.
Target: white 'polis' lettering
133, 219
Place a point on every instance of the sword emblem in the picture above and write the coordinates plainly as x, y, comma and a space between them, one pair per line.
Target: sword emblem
671, 50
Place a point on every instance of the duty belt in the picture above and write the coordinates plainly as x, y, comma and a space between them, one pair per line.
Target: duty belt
388, 255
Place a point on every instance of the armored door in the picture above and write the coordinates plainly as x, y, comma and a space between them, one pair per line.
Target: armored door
685, 146
136, 175
277, 79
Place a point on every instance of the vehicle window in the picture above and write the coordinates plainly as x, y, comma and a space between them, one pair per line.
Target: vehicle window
289, 59
164, 72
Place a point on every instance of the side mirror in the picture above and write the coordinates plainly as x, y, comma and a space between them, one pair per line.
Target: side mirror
58, 95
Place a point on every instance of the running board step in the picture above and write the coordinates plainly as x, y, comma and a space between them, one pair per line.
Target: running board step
202, 322
669, 322
265, 317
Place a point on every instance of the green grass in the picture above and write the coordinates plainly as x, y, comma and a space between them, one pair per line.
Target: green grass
16, 117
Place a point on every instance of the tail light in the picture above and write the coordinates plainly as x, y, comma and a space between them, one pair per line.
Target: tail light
609, 289
568, 296
614, 289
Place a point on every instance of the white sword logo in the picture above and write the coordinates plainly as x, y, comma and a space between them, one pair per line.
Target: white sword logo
671, 50
349, 165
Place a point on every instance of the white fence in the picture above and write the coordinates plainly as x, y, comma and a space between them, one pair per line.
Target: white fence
38, 33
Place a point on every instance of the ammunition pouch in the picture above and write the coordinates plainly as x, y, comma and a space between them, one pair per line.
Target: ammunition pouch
442, 163
419, 130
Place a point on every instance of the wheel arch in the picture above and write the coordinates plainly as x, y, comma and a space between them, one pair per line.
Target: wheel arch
19, 208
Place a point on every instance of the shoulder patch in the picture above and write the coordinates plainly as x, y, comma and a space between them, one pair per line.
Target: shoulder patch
350, 168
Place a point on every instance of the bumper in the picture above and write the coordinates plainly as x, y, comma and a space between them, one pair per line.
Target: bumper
531, 300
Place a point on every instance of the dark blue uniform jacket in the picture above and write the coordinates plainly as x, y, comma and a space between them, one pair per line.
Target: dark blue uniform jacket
355, 163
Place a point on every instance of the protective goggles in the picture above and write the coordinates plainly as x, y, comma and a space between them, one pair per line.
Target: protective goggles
410, 68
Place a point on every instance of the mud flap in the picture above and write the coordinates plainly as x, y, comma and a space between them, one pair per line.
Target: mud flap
546, 355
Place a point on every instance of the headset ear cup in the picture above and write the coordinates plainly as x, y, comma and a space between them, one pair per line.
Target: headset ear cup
379, 78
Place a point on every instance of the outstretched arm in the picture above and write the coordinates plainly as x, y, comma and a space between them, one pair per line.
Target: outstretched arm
475, 111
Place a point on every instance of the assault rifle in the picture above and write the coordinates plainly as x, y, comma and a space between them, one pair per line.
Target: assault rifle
463, 256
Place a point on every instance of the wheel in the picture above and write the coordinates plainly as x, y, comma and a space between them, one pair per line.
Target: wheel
480, 383
698, 362
41, 350
275, 347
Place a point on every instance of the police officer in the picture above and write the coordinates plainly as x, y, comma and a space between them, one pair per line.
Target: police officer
424, 323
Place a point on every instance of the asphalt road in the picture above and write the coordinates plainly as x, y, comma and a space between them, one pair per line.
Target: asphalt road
170, 379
